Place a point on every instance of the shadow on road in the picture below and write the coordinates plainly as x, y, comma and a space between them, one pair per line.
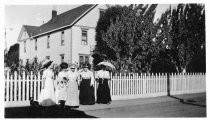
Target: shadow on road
189, 101
44, 112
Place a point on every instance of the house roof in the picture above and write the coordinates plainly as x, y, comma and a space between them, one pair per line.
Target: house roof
65, 19
30, 29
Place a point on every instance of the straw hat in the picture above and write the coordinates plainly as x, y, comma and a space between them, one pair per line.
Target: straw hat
73, 66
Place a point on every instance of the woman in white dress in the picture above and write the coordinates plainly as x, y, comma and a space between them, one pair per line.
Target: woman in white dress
47, 95
72, 88
61, 89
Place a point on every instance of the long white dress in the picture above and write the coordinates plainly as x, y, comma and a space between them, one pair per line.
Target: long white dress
61, 89
72, 89
47, 95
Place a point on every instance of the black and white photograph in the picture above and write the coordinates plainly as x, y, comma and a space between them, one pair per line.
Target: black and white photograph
104, 60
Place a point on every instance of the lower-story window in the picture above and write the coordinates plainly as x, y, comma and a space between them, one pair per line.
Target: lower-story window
48, 57
83, 59
62, 57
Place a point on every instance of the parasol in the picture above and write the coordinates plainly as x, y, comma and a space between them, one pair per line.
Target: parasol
107, 64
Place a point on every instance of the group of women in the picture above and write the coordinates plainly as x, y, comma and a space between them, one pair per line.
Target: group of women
73, 87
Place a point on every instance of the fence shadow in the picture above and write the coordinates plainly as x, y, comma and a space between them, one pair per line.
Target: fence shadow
187, 101
44, 112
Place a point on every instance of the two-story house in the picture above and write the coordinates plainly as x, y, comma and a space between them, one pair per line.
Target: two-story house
68, 37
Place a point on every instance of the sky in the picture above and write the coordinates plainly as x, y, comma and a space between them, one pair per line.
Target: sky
35, 15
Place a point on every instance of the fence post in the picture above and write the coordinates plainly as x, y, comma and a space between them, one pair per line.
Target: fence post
168, 84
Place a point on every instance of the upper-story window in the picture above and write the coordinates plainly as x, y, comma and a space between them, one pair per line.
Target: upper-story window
24, 46
84, 37
35, 44
62, 38
101, 12
48, 41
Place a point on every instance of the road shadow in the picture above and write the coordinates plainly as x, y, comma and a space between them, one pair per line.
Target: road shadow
187, 101
44, 112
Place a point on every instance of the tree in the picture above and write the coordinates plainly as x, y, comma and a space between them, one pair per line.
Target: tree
182, 34
12, 57
128, 40
103, 23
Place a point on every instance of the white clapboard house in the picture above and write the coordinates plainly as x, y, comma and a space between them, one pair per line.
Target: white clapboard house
68, 37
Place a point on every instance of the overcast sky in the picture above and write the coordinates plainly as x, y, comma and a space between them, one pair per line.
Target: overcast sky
18, 15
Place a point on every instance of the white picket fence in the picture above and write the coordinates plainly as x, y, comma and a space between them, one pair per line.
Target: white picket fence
18, 90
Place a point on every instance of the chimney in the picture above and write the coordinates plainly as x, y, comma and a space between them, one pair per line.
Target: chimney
54, 14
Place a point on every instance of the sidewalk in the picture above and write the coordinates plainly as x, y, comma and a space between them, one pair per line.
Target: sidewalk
57, 112
140, 101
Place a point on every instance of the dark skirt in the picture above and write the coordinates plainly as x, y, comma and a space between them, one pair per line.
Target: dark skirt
103, 92
86, 95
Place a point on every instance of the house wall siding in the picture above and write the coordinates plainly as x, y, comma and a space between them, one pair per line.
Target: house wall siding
88, 22
72, 48
42, 51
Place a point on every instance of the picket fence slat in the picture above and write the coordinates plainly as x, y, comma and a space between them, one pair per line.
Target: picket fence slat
7, 87
19, 88
39, 88
24, 85
11, 89
27, 90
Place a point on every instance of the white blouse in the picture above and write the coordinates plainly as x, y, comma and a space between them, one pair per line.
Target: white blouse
87, 75
103, 74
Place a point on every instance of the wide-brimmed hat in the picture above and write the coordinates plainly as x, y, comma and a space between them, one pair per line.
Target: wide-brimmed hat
63, 65
46, 63
73, 66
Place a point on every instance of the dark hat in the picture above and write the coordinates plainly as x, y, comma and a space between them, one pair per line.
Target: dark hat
63, 65
85, 65
46, 64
